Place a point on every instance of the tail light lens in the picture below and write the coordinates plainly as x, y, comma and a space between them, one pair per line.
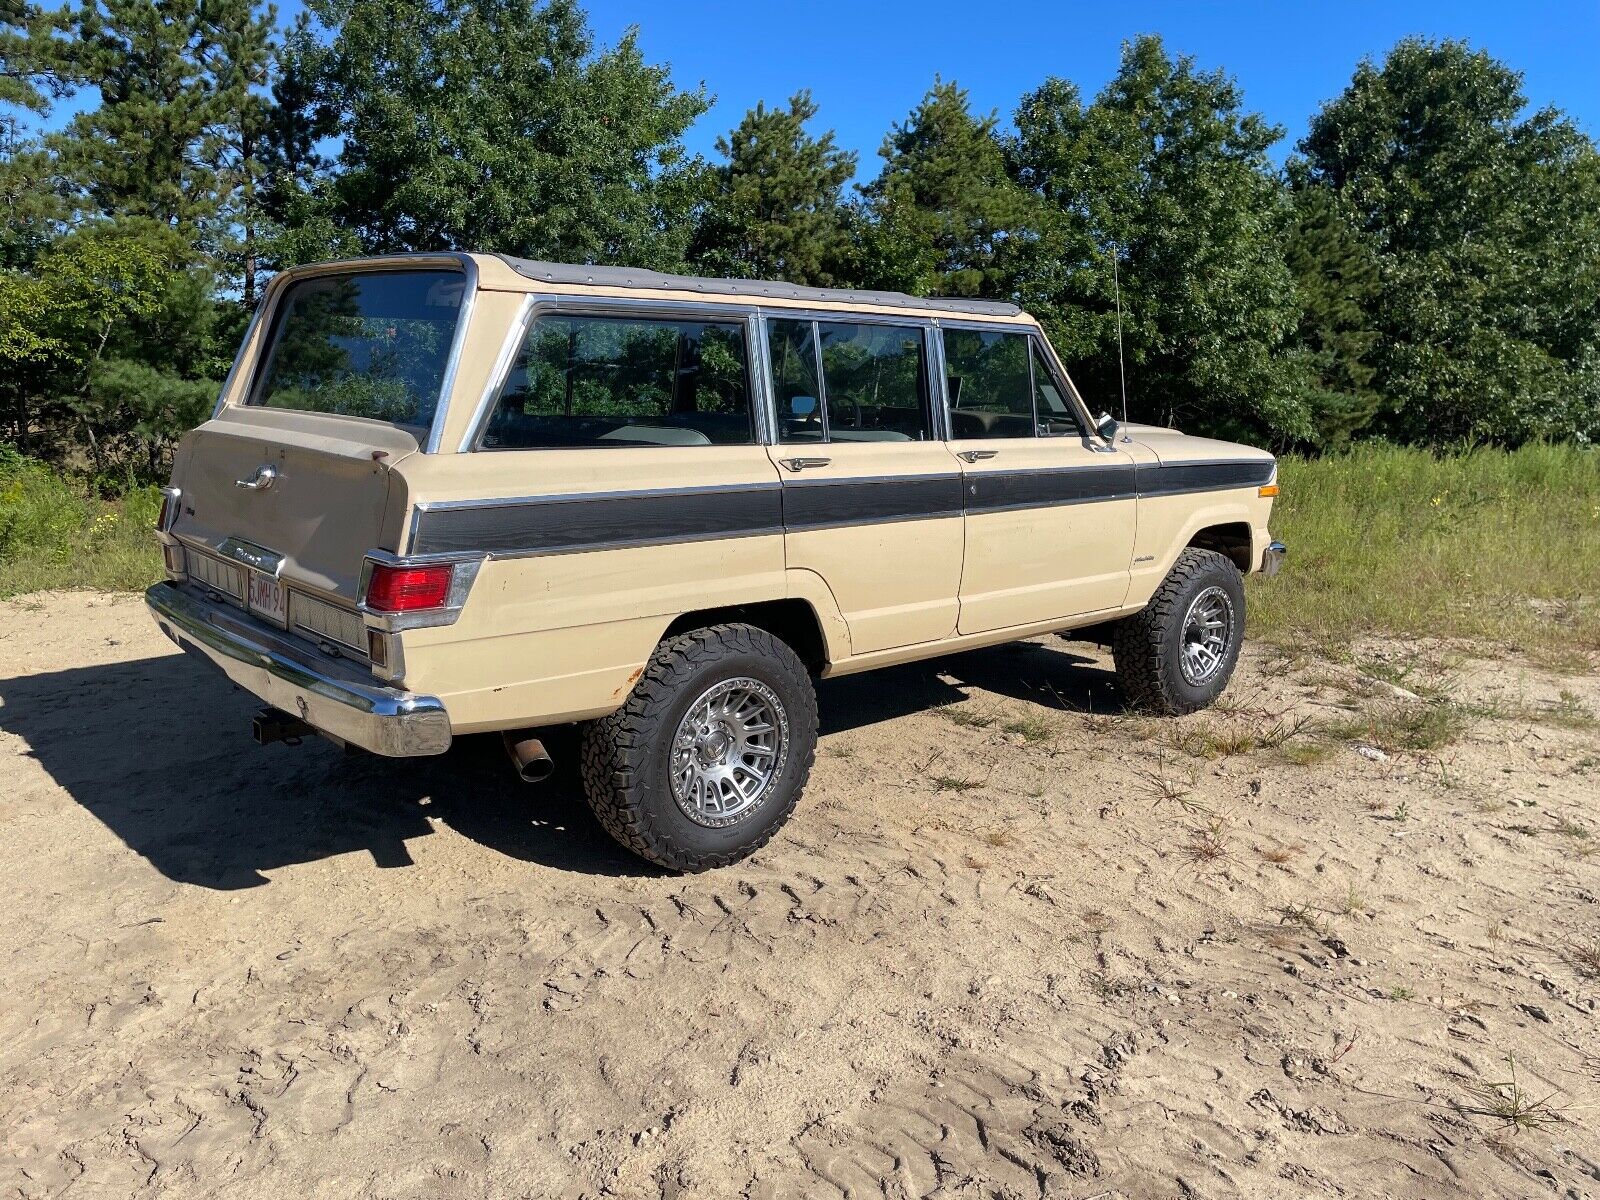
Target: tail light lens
393, 589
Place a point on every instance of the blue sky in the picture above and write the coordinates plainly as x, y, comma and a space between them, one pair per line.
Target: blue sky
867, 63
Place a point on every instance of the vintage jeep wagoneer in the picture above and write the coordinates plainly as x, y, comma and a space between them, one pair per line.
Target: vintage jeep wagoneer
448, 494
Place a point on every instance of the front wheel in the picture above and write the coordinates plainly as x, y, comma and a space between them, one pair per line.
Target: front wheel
708, 757
1177, 653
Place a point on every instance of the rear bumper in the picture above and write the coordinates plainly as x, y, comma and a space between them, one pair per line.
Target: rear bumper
332, 695
1272, 558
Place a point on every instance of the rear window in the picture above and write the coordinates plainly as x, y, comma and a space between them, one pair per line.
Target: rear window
625, 381
373, 344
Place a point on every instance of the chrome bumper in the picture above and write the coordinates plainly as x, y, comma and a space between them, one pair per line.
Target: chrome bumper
332, 695
1272, 558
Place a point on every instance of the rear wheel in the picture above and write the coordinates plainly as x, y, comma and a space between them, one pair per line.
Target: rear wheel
707, 759
1177, 653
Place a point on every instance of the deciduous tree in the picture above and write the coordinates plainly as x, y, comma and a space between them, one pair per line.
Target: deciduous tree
1168, 172
1486, 222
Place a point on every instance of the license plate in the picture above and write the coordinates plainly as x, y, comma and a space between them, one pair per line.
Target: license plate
267, 598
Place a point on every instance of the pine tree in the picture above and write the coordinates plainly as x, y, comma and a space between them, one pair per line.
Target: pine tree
136, 154
947, 216
237, 56
494, 124
775, 210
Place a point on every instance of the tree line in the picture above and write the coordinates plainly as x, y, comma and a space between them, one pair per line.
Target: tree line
1425, 268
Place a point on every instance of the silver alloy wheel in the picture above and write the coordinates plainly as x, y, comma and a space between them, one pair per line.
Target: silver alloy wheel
729, 750
1207, 633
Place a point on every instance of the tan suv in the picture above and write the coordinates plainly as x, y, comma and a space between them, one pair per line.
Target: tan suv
451, 494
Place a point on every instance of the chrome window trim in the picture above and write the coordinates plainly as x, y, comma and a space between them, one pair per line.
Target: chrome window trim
941, 381
453, 364
1023, 331
766, 401
244, 350
272, 296
465, 573
539, 305
1052, 362
500, 371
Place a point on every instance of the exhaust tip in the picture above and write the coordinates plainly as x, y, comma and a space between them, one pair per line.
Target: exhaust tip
531, 759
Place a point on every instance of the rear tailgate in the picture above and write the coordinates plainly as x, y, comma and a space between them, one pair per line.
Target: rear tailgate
323, 504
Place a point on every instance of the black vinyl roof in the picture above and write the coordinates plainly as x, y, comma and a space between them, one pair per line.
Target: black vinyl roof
753, 289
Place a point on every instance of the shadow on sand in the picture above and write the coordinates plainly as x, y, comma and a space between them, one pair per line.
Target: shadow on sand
159, 751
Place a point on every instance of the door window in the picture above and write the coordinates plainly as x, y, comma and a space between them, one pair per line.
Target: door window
842, 381
1055, 414
625, 381
990, 384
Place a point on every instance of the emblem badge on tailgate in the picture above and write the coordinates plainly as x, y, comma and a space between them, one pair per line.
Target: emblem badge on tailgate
251, 555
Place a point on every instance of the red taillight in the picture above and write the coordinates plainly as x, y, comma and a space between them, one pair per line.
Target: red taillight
408, 589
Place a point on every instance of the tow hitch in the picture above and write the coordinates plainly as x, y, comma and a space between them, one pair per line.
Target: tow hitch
274, 725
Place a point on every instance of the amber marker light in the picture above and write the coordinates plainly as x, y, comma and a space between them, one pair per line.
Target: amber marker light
1270, 489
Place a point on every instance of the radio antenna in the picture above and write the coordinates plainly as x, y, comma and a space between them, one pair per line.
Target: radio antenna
1122, 370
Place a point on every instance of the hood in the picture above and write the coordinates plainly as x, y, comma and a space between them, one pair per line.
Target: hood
1172, 445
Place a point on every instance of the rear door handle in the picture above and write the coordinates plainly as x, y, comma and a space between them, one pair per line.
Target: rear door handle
800, 464
973, 456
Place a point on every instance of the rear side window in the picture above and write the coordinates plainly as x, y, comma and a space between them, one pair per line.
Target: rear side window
374, 344
624, 381
990, 385
872, 387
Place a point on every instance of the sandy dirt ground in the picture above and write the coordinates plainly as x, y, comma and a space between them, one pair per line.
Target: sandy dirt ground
1015, 943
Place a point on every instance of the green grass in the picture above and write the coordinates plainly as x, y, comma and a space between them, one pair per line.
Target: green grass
1489, 545
1495, 546
53, 535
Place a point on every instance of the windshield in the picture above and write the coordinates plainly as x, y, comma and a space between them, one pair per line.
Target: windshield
374, 344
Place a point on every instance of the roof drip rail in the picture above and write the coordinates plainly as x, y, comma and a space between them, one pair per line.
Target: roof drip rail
635, 277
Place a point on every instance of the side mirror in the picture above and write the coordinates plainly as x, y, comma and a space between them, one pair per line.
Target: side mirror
1106, 426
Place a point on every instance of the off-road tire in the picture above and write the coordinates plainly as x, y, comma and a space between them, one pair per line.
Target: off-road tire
1146, 646
626, 756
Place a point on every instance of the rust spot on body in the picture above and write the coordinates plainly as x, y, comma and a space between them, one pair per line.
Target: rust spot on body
632, 679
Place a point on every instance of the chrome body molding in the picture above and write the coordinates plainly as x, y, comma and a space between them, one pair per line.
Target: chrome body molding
1272, 558
334, 696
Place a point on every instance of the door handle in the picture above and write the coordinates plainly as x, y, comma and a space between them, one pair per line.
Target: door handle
973, 456
800, 464
260, 481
